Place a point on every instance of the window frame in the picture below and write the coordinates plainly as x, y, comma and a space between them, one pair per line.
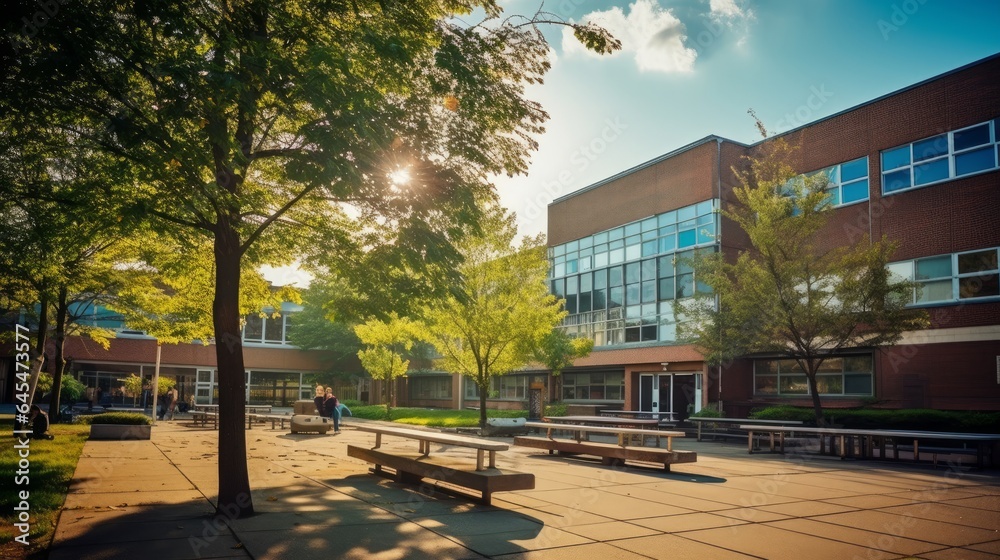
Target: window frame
950, 155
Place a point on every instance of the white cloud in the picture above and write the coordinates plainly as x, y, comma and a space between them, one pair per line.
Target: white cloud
733, 15
649, 33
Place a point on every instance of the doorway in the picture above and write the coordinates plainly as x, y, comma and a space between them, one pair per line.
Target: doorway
678, 393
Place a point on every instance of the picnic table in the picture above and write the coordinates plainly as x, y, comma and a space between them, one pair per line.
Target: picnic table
734, 423
868, 440
486, 477
646, 414
610, 454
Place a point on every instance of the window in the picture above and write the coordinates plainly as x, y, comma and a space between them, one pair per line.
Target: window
253, 331
949, 278
437, 387
633, 267
848, 182
595, 386
842, 375
946, 156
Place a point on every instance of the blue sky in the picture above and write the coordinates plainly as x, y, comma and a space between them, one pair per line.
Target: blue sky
690, 68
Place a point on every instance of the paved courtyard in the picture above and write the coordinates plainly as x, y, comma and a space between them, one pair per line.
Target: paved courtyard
154, 499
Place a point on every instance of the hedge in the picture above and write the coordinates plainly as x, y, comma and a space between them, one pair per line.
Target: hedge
892, 419
126, 418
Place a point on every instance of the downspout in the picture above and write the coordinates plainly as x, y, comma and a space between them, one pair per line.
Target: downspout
718, 183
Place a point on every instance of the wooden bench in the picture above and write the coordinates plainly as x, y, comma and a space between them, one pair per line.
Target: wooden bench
843, 440
203, 416
262, 418
609, 453
413, 467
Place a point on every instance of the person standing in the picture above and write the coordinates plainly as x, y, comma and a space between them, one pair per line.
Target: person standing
171, 403
319, 398
331, 409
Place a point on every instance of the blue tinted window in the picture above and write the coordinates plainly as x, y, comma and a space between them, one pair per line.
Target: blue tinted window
896, 180
558, 287
649, 248
601, 237
632, 273
934, 267
615, 276
570, 267
600, 279
854, 191
649, 292
632, 229
972, 137
572, 246
891, 159
586, 281
854, 169
600, 299
976, 160
706, 235
632, 294
649, 224
834, 196
586, 242
930, 148
686, 213
686, 238
614, 297
666, 266
649, 269
616, 233
667, 288
667, 218
668, 243
571, 285
704, 208
930, 172
685, 286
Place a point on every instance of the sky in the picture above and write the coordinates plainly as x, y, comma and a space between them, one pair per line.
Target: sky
691, 68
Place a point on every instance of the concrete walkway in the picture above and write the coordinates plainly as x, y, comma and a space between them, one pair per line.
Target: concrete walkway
153, 500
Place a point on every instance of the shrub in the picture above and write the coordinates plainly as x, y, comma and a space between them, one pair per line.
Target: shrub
122, 418
711, 410
889, 419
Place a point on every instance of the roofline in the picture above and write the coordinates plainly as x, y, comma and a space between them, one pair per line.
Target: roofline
720, 139
643, 165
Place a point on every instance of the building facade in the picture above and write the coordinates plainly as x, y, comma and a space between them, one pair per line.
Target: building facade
918, 166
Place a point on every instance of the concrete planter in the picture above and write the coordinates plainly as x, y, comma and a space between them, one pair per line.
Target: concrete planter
119, 431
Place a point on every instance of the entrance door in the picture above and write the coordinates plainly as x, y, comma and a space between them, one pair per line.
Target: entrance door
669, 392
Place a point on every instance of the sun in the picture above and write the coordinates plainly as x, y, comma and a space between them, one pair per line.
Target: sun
400, 177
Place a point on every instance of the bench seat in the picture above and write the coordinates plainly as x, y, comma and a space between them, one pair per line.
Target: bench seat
201, 417
413, 467
610, 453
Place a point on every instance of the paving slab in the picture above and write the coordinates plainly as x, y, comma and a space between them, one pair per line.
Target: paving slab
153, 499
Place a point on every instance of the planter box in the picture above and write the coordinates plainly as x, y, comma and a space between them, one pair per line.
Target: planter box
119, 431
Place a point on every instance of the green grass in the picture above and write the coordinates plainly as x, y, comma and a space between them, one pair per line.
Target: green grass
443, 418
52, 463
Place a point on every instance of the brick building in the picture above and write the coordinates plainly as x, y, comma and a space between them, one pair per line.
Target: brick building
919, 165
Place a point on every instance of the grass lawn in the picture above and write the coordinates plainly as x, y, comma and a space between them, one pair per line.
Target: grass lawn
441, 417
52, 463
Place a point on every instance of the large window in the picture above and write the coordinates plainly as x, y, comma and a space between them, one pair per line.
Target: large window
939, 158
436, 387
594, 386
619, 284
848, 182
267, 330
846, 375
968, 276
502, 387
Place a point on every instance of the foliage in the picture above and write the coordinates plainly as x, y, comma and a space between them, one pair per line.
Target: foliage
319, 325
72, 390
385, 343
793, 293
495, 317
890, 419
557, 350
132, 386
443, 417
119, 418
711, 410
236, 128
53, 463
163, 384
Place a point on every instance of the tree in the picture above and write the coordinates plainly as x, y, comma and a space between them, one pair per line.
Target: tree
557, 350
132, 387
495, 317
246, 122
385, 343
792, 292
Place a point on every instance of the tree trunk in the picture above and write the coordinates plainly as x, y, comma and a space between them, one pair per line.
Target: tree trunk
811, 368
484, 388
234, 480
62, 308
